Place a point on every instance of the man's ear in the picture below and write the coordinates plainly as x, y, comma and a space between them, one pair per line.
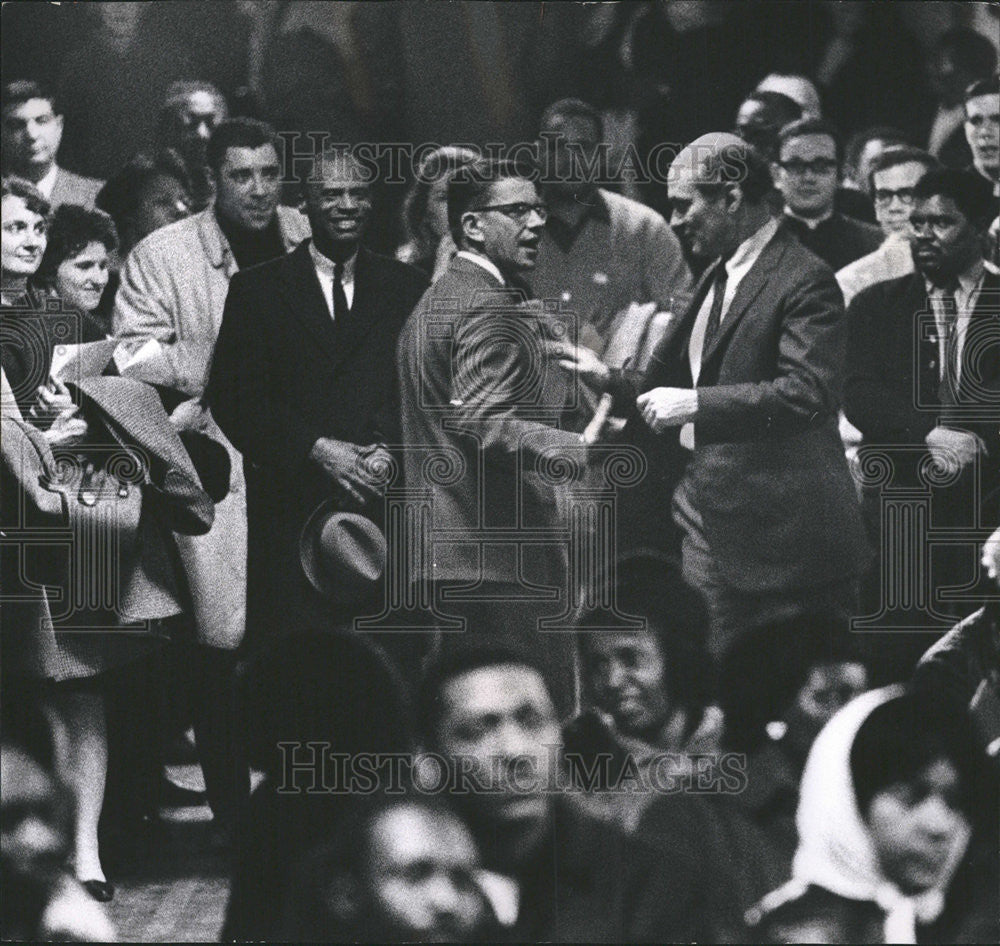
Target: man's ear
59, 130
343, 897
471, 229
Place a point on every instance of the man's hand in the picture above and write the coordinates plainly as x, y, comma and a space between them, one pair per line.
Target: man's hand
67, 429
667, 407
53, 399
354, 469
581, 361
991, 557
953, 450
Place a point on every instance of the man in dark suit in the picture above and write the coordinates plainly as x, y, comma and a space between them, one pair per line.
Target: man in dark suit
474, 389
751, 376
924, 363
302, 382
806, 172
32, 133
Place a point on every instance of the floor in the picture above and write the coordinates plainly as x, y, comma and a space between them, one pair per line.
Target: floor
172, 885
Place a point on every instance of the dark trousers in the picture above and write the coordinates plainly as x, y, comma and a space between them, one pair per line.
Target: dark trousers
732, 610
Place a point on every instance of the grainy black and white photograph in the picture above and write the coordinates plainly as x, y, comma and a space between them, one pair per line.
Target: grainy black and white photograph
491, 472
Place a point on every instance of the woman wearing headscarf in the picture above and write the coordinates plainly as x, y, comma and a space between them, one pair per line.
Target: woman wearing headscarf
887, 809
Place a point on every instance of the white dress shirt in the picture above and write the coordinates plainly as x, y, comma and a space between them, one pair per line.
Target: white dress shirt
324, 272
737, 266
966, 295
47, 184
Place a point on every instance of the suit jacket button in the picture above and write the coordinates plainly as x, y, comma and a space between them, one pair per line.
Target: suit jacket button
933, 364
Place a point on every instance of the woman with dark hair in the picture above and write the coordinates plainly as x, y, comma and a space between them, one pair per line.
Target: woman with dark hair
428, 244
75, 267
886, 814
149, 192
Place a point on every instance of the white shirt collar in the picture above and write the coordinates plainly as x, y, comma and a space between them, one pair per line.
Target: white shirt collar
47, 184
485, 263
967, 281
811, 222
324, 272
747, 252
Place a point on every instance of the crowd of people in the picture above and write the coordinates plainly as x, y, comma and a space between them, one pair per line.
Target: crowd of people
600, 542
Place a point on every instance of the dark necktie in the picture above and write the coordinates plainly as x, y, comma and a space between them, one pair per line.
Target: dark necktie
715, 312
341, 310
948, 392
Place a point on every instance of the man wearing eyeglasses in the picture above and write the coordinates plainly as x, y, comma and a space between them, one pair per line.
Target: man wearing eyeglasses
806, 173
893, 177
476, 394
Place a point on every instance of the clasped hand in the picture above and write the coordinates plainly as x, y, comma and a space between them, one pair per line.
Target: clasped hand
55, 411
667, 407
356, 470
953, 450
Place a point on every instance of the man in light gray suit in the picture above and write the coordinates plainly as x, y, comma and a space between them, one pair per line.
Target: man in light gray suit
32, 131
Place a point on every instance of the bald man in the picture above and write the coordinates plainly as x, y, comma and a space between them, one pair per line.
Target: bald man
740, 405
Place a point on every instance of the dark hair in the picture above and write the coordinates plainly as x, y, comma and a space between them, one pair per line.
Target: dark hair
781, 109
122, 192
809, 126
737, 163
971, 193
766, 666
899, 739
19, 91
14, 186
439, 164
460, 654
174, 99
572, 108
777, 111
470, 186
71, 230
903, 154
859, 140
311, 688
238, 133
990, 86
650, 586
972, 50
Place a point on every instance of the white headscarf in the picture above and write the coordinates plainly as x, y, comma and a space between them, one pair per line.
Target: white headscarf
835, 849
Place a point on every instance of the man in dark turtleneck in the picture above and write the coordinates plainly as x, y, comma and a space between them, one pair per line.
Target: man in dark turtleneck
167, 313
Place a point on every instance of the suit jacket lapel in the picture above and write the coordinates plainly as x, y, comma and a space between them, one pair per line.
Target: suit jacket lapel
365, 312
303, 297
749, 288
678, 330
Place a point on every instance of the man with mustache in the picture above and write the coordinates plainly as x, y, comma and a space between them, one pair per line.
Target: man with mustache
924, 362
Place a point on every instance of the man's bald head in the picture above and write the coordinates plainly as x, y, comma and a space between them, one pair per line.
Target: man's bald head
718, 187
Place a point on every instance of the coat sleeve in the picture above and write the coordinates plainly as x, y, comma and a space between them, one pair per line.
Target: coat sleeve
146, 309
498, 377
878, 396
808, 379
243, 395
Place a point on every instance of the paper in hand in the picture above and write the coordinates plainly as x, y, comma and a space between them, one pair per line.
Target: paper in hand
85, 360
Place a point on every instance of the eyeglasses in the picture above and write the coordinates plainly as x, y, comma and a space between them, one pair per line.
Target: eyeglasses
905, 195
519, 212
819, 166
